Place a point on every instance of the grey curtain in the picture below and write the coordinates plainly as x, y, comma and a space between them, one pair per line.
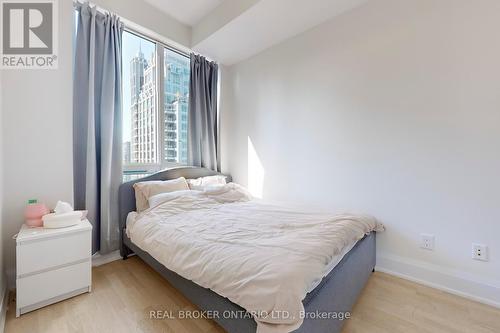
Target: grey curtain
202, 142
97, 123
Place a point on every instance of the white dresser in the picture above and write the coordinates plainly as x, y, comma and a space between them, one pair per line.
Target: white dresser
52, 265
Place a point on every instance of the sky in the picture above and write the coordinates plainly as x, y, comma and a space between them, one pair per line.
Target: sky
130, 45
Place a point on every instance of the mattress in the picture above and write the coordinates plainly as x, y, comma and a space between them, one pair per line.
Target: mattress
248, 250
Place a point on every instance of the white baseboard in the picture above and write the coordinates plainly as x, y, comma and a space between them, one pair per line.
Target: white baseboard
434, 276
3, 306
99, 259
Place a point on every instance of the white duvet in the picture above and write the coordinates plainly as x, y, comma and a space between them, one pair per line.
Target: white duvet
261, 256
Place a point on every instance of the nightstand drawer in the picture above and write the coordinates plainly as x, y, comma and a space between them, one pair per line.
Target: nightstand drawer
43, 254
48, 286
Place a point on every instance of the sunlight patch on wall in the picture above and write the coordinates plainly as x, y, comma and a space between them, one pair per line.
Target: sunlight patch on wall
255, 171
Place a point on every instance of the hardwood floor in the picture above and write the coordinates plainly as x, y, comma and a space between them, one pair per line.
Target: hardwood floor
390, 304
124, 293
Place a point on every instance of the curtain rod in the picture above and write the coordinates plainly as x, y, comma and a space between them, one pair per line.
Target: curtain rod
143, 32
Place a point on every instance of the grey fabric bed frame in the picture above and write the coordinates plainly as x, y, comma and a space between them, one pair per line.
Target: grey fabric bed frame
336, 293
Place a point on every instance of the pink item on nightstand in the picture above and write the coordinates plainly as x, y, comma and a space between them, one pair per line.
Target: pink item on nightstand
34, 212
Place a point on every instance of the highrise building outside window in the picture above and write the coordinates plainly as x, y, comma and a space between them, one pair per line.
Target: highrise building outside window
155, 106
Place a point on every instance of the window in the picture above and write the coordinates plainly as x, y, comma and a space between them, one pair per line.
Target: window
154, 137
176, 78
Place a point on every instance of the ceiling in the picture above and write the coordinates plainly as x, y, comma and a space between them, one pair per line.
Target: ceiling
266, 23
229, 31
189, 12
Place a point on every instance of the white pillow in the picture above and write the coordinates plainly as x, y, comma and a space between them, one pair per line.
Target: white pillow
157, 199
145, 190
200, 183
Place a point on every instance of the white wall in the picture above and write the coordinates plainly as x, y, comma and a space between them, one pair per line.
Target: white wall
37, 136
391, 109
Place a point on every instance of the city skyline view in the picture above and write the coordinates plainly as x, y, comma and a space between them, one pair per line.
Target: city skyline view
152, 137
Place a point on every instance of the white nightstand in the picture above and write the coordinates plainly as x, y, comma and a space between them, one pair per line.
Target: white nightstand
52, 265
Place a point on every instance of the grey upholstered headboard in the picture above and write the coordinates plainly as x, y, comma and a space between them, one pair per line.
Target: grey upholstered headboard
126, 194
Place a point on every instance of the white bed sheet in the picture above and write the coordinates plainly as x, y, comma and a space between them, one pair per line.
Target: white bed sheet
331, 265
263, 257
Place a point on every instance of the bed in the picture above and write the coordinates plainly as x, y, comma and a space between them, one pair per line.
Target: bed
335, 293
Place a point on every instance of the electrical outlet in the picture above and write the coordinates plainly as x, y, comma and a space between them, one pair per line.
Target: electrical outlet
427, 241
480, 252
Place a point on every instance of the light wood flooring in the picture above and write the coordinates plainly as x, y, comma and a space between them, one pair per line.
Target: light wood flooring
124, 293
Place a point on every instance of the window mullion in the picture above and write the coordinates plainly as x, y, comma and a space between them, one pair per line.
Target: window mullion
160, 83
